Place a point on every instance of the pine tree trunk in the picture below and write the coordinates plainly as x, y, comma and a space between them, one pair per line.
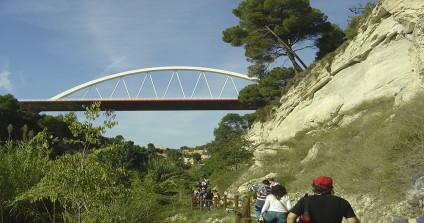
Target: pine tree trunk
289, 52
296, 66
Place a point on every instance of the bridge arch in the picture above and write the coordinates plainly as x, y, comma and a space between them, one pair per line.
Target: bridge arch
148, 70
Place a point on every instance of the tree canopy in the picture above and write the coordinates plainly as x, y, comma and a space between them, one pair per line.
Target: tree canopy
268, 87
269, 29
229, 149
332, 37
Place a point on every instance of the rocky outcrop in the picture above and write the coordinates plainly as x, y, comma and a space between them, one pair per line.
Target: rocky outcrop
385, 59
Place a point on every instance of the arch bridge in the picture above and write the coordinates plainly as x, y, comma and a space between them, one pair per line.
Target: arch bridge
157, 88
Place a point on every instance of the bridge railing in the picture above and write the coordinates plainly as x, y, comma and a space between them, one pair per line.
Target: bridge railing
240, 207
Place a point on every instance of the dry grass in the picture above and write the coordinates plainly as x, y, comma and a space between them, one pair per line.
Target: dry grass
377, 153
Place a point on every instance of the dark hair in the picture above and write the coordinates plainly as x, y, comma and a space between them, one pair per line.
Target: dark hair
266, 182
278, 191
322, 190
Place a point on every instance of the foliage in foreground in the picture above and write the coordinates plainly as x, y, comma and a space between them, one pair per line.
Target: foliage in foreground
114, 183
21, 167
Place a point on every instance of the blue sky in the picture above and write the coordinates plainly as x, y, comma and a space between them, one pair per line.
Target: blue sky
49, 46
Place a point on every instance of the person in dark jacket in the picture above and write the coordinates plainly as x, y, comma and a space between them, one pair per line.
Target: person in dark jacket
323, 206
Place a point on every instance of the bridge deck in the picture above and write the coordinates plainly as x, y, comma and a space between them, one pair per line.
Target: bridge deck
137, 105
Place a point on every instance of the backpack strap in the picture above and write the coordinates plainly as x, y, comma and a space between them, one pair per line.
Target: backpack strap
305, 216
285, 207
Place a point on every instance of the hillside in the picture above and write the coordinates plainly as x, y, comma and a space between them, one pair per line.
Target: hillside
356, 116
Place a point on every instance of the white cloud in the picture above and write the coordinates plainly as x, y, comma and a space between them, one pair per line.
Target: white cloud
5, 82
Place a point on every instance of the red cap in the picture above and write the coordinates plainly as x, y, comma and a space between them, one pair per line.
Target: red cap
323, 181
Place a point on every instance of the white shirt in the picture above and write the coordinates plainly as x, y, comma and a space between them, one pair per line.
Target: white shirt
272, 204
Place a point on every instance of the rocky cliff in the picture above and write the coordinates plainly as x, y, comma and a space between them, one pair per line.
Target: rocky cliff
386, 58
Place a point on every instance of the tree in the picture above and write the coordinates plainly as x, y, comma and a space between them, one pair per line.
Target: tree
81, 190
151, 146
268, 87
124, 156
10, 114
55, 125
231, 123
83, 185
173, 155
119, 138
272, 83
250, 95
228, 150
8, 103
269, 29
86, 134
196, 157
330, 39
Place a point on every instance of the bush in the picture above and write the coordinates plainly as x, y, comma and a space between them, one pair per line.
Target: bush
22, 165
357, 21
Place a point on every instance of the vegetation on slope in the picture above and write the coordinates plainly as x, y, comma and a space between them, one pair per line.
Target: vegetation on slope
378, 153
276, 81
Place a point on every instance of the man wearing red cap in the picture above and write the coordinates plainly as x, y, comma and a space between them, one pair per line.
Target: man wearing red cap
323, 206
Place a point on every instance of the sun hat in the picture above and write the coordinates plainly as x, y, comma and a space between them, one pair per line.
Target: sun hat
323, 181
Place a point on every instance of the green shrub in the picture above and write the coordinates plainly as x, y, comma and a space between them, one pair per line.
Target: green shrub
22, 165
357, 21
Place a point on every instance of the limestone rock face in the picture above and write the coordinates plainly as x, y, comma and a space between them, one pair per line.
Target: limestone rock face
386, 58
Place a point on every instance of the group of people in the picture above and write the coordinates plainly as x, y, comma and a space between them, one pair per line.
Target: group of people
273, 204
207, 194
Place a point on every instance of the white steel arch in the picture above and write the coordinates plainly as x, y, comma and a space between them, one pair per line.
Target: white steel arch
148, 70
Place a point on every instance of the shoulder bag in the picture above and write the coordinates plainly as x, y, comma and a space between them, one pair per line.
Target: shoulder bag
305, 218
285, 207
